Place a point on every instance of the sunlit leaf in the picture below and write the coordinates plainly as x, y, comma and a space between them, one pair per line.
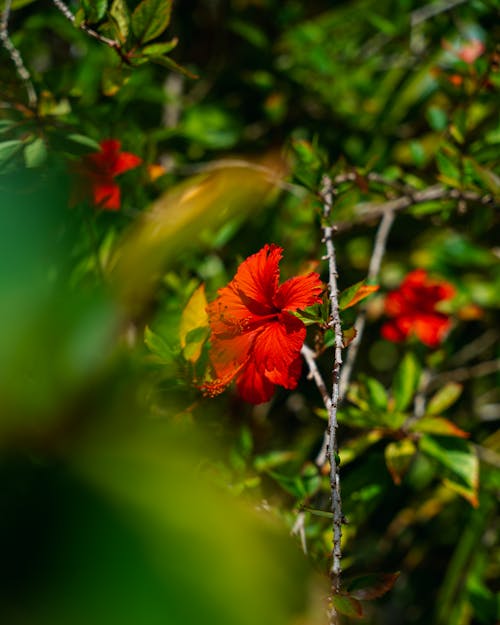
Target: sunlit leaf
194, 316
444, 398
406, 381
120, 15
377, 395
439, 426
355, 293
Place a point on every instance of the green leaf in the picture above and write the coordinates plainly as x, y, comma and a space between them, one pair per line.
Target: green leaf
488, 179
448, 168
349, 606
355, 293
150, 19
406, 381
8, 149
75, 144
167, 62
377, 395
371, 586
398, 458
459, 458
438, 426
356, 446
95, 10
444, 398
6, 125
273, 459
158, 49
158, 346
437, 118
35, 153
120, 16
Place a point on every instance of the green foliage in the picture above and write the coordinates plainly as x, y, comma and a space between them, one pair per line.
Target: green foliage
237, 111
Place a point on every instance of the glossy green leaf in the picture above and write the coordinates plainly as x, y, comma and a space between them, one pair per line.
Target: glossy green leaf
398, 457
157, 49
406, 381
444, 398
150, 19
94, 10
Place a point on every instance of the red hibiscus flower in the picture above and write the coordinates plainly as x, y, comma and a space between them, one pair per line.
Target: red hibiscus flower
100, 169
413, 309
254, 337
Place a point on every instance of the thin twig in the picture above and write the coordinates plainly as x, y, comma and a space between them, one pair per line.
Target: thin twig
15, 55
464, 373
359, 325
369, 211
310, 358
336, 569
433, 8
112, 43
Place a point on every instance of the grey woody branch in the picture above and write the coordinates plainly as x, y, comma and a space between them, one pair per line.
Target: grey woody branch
327, 193
15, 55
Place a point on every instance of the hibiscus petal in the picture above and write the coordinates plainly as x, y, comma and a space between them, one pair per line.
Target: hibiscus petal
106, 195
391, 332
229, 353
277, 347
257, 278
430, 329
299, 293
230, 313
253, 386
125, 161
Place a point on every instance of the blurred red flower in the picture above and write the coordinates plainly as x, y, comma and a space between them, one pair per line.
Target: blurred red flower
100, 169
413, 309
254, 337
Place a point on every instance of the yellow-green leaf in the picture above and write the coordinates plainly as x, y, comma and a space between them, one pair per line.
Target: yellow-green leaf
398, 458
444, 398
439, 426
194, 317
